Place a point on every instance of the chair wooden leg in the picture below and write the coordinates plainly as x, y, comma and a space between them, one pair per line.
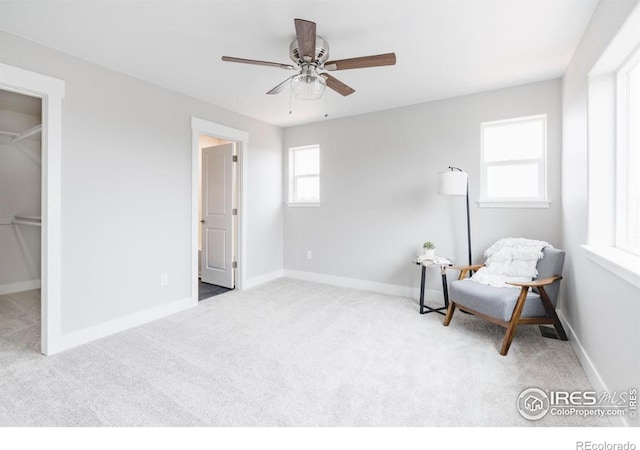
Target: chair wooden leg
551, 312
560, 329
449, 315
513, 323
508, 337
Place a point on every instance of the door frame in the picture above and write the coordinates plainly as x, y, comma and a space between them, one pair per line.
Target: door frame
241, 139
51, 91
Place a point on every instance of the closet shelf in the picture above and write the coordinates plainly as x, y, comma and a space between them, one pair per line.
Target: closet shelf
17, 137
27, 134
27, 220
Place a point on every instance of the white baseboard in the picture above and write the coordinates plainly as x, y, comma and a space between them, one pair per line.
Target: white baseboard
351, 283
589, 368
363, 285
260, 279
76, 338
19, 287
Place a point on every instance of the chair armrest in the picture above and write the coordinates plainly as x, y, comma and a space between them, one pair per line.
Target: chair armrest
472, 267
537, 283
464, 270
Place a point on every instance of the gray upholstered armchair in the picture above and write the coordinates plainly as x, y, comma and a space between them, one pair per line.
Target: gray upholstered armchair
534, 303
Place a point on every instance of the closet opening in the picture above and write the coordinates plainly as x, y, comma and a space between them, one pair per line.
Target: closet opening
20, 220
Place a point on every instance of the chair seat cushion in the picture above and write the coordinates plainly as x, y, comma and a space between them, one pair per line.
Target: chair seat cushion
496, 302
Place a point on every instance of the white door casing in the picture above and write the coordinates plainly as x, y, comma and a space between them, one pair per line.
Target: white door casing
201, 127
52, 91
217, 215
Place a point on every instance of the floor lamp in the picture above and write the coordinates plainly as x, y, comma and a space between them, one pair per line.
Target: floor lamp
455, 182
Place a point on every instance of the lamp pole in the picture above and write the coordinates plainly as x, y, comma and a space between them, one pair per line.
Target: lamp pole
468, 215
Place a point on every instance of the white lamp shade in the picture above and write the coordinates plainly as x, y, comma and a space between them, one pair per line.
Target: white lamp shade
452, 182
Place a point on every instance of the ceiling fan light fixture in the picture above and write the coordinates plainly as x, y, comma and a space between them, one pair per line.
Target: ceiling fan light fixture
308, 85
310, 53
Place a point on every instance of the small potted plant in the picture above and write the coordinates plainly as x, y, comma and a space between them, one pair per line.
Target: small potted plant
429, 249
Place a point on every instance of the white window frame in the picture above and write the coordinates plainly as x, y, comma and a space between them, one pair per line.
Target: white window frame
541, 200
623, 151
603, 154
292, 198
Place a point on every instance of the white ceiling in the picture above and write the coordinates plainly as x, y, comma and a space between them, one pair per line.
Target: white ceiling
444, 48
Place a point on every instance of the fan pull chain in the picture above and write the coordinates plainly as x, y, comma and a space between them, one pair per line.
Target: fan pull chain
290, 97
326, 108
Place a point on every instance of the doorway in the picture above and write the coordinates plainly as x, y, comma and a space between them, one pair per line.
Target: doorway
51, 92
20, 219
217, 213
218, 244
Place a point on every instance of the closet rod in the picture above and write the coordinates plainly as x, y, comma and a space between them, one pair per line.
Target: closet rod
25, 222
30, 132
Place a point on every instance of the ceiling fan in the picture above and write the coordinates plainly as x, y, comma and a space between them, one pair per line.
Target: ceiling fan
310, 53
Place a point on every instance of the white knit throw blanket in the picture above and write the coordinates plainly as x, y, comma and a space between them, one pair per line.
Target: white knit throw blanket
510, 260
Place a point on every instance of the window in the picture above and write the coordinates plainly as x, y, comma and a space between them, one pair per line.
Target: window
304, 175
513, 159
628, 157
614, 155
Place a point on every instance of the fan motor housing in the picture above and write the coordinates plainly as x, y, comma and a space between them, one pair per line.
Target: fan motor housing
322, 52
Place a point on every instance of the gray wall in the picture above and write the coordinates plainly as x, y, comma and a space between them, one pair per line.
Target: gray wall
19, 195
602, 309
378, 186
126, 187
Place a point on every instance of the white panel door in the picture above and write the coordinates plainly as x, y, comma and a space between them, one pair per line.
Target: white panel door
217, 215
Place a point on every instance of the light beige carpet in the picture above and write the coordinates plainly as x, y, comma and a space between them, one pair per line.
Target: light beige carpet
287, 353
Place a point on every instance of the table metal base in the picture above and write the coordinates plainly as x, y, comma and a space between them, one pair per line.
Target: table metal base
424, 309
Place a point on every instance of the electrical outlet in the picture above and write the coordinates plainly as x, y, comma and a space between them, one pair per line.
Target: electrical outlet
164, 279
308, 254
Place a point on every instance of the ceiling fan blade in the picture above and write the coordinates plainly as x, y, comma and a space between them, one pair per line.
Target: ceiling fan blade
306, 34
337, 85
386, 59
279, 87
257, 63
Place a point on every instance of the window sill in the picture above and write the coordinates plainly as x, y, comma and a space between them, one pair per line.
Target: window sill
304, 205
620, 263
515, 204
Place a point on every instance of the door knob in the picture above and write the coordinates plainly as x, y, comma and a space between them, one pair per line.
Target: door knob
202, 221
